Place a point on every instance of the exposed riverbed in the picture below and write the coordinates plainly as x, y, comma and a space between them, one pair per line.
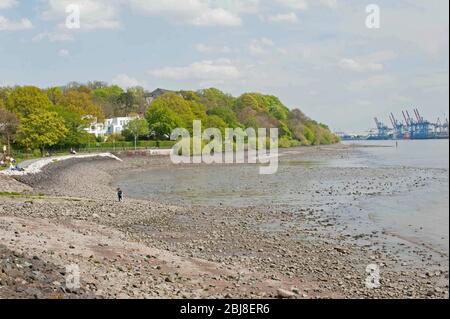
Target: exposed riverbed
309, 232
383, 187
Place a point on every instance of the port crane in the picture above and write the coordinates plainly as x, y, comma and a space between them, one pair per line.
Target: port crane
384, 132
414, 127
400, 131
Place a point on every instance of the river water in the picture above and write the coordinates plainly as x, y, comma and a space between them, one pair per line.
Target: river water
420, 216
417, 214
417, 153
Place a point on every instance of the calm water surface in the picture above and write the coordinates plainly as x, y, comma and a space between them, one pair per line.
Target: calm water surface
420, 216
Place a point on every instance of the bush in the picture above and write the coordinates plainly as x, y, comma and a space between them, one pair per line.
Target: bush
285, 142
128, 145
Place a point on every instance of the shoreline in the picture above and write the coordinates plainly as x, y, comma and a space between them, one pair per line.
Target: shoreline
147, 249
36, 166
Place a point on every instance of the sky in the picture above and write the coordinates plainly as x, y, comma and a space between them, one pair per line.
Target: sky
316, 55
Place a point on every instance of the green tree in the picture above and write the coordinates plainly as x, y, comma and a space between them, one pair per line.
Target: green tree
172, 109
75, 125
8, 126
54, 94
227, 115
94, 85
275, 107
213, 98
109, 97
75, 86
132, 101
162, 120
4, 93
265, 111
82, 104
27, 100
247, 100
41, 130
214, 121
75, 101
108, 93
137, 128
182, 108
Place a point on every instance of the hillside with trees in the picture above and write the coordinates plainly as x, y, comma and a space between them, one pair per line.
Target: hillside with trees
43, 119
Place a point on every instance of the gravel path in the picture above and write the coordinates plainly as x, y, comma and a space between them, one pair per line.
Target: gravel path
36, 166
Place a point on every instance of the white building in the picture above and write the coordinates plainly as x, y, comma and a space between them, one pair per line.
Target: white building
110, 126
116, 125
97, 129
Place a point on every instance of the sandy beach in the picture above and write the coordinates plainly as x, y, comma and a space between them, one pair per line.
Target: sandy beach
68, 214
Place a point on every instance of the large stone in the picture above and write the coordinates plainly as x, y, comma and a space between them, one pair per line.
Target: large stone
284, 294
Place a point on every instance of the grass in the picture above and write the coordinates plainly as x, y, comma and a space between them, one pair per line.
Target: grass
38, 196
21, 156
10, 194
125, 146
21, 195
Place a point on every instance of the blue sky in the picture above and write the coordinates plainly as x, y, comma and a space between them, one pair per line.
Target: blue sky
317, 55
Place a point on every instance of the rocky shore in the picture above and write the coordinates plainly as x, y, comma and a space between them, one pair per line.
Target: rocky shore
68, 215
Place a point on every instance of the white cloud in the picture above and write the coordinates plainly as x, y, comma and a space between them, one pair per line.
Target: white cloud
330, 3
421, 23
260, 46
369, 63
304, 4
8, 25
284, 18
5, 4
125, 81
381, 56
52, 37
221, 69
204, 48
358, 66
375, 81
194, 12
240, 6
294, 4
94, 14
431, 82
217, 17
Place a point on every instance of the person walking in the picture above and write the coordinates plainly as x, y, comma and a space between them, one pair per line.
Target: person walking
120, 194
